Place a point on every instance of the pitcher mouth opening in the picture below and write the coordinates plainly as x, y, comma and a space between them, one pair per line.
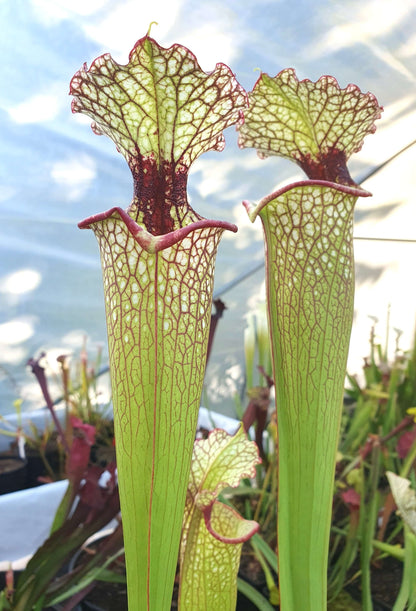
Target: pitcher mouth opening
149, 242
253, 211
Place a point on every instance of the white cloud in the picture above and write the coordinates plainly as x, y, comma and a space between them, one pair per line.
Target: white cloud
12, 355
389, 59
37, 109
17, 330
75, 339
217, 176
408, 48
78, 117
50, 13
116, 26
119, 29
210, 45
213, 177
22, 281
372, 20
75, 175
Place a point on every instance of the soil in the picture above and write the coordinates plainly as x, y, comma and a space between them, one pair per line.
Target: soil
106, 597
385, 584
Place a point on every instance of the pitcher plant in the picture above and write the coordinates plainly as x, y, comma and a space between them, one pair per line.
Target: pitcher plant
162, 111
308, 228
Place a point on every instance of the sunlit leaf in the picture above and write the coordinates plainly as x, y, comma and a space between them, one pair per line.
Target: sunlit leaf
308, 230
405, 498
213, 532
220, 462
158, 256
318, 125
162, 111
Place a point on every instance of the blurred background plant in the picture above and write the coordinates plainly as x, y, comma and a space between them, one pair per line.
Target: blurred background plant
378, 435
79, 437
45, 440
90, 503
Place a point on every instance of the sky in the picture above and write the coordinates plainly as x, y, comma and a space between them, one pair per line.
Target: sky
54, 171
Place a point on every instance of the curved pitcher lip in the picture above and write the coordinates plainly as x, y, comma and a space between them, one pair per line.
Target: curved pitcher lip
253, 211
154, 243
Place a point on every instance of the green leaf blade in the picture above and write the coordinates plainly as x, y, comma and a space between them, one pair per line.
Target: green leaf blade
310, 292
162, 111
310, 288
310, 123
213, 533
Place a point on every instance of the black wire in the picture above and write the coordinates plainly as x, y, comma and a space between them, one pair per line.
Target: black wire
379, 167
230, 285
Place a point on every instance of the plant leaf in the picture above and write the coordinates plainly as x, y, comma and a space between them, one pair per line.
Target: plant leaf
162, 111
226, 524
158, 257
310, 288
404, 497
213, 533
218, 462
317, 125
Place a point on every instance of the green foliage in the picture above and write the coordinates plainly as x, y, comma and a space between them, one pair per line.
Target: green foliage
78, 394
310, 290
378, 435
162, 111
213, 533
